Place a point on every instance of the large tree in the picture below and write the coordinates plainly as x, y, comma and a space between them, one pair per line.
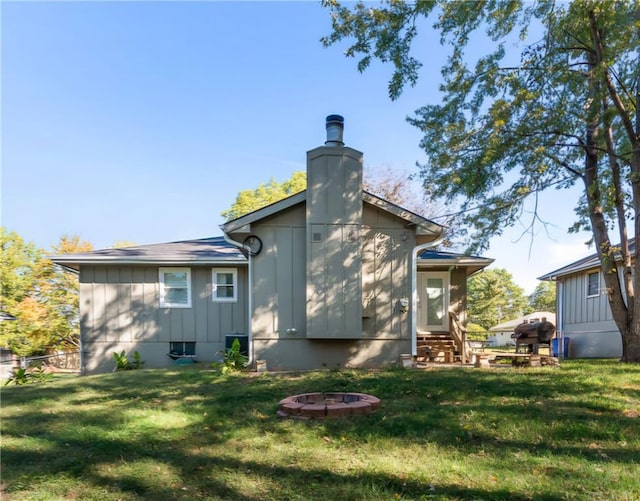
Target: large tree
265, 194
563, 113
493, 297
42, 296
543, 297
394, 185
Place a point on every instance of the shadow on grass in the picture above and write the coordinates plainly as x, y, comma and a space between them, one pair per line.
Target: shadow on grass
93, 430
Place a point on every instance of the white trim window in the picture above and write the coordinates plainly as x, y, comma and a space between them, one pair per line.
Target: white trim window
175, 287
593, 284
224, 284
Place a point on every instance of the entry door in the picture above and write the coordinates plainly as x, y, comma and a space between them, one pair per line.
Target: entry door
433, 301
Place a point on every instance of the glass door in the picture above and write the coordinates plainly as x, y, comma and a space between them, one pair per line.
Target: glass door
433, 301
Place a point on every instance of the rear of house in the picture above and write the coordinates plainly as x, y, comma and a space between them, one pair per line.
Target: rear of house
332, 276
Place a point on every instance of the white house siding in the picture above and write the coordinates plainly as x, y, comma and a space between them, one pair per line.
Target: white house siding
587, 321
119, 311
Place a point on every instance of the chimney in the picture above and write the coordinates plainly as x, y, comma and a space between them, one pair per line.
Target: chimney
335, 128
334, 221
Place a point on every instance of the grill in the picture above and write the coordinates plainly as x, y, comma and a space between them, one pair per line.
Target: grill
532, 335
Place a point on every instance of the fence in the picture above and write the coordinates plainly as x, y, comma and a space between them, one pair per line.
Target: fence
67, 361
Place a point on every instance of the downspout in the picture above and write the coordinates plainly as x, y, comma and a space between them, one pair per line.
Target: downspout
414, 290
560, 320
249, 296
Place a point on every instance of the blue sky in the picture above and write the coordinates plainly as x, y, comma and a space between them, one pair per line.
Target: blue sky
141, 121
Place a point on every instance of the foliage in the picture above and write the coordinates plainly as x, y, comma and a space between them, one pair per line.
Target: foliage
121, 244
124, 364
233, 359
493, 298
42, 296
393, 185
22, 376
510, 434
543, 297
535, 112
265, 194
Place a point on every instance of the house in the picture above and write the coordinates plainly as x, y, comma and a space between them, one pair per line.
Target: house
501, 333
583, 312
332, 276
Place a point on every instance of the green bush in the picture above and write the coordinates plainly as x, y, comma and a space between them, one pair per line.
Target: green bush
233, 360
124, 364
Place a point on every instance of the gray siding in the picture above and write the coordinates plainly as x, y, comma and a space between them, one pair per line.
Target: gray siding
120, 311
386, 277
279, 302
333, 250
279, 277
587, 321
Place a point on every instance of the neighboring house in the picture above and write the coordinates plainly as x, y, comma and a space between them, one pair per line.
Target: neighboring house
583, 311
332, 276
501, 333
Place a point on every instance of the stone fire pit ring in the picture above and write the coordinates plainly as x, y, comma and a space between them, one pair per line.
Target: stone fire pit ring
327, 405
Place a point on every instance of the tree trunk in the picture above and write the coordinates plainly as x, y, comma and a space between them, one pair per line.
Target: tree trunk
623, 313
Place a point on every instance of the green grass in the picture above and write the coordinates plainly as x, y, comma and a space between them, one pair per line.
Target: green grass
519, 434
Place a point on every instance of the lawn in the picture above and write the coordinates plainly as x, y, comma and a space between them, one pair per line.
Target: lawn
571, 432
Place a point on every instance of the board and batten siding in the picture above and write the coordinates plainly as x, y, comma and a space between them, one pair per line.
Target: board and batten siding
280, 304
278, 289
587, 321
385, 280
120, 310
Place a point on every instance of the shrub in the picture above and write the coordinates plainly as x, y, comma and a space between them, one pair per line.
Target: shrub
233, 359
124, 364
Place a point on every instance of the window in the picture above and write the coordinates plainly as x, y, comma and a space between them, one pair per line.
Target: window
225, 284
593, 284
182, 348
433, 297
175, 288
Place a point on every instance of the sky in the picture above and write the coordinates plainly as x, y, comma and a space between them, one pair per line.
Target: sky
141, 121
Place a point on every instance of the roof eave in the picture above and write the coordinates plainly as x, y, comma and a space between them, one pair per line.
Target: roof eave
75, 264
243, 223
424, 226
473, 264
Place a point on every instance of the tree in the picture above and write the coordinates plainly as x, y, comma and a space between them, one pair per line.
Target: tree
121, 244
403, 189
395, 186
493, 298
564, 114
21, 269
42, 296
543, 297
265, 194
61, 294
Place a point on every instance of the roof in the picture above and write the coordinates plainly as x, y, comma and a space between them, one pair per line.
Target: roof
512, 324
205, 251
473, 264
586, 263
243, 223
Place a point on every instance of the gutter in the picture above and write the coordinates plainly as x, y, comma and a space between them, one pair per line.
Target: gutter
414, 292
240, 245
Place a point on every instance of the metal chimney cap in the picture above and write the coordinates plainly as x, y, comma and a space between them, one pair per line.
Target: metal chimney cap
335, 128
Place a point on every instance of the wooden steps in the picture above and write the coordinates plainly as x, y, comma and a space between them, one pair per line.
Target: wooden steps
436, 348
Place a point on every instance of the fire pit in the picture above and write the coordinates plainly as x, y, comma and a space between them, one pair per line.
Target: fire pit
327, 405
